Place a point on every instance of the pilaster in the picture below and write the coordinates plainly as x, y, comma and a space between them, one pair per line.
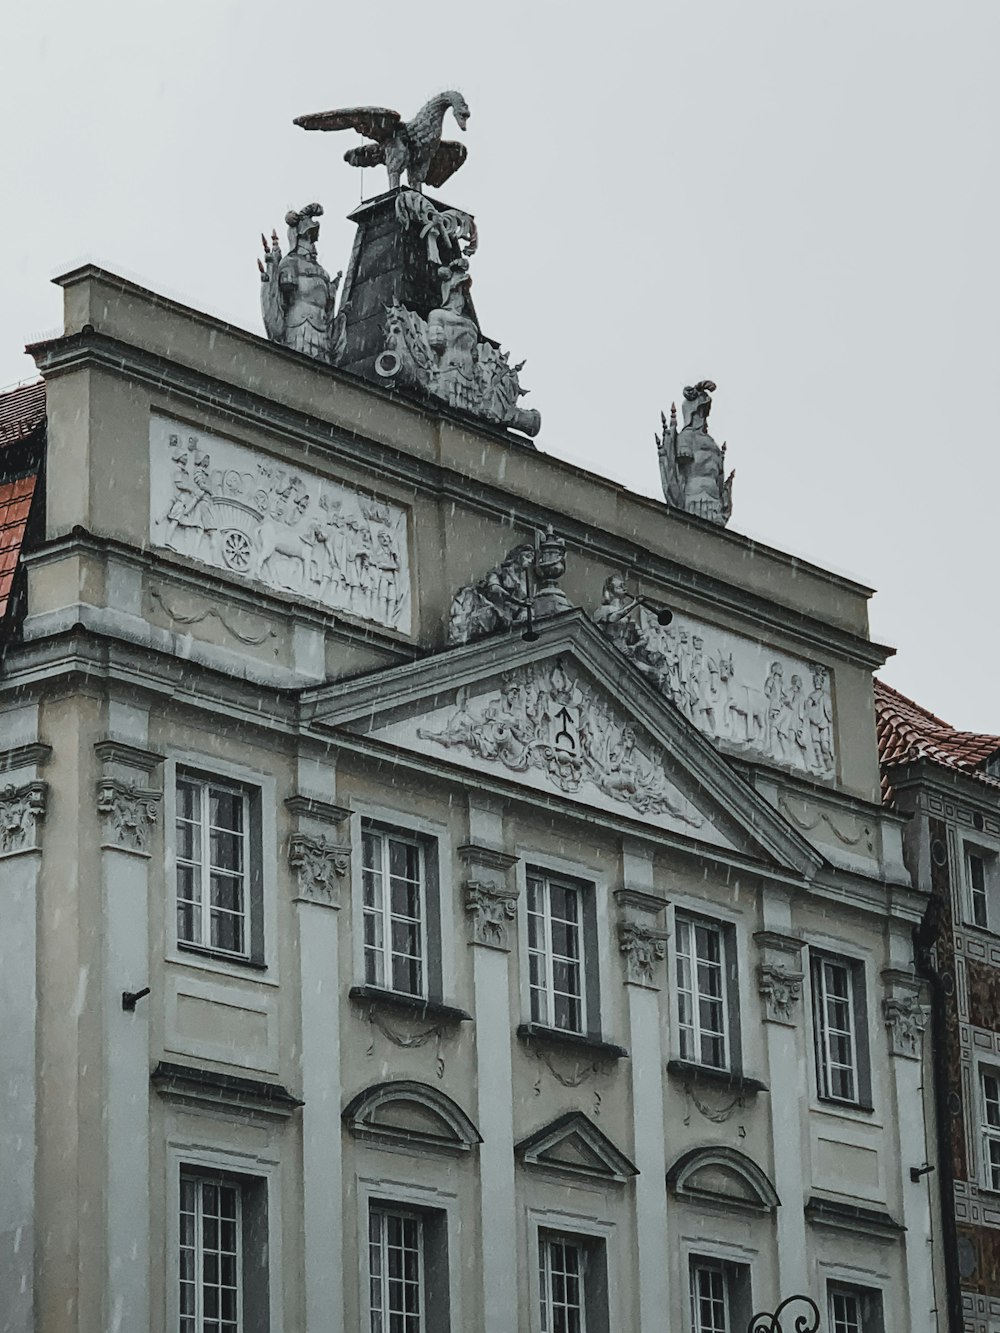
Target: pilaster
23, 800
319, 865
491, 906
779, 984
127, 804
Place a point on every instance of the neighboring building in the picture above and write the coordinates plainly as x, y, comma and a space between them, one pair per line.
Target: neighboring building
404, 928
948, 783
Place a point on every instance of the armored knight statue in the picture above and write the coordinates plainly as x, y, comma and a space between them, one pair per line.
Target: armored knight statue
692, 465
414, 146
297, 295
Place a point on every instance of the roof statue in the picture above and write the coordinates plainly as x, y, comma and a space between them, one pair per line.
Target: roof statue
297, 295
692, 465
414, 146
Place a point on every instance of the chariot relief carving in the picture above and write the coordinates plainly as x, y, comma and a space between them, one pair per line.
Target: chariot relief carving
230, 507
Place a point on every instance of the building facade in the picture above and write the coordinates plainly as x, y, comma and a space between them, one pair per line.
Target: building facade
946, 782
441, 889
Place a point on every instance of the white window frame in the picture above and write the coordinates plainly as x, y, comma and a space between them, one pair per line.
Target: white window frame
822, 1031
202, 1181
384, 1211
989, 1134
547, 878
685, 928
989, 894
385, 835
835, 1292
547, 1242
205, 783
702, 1266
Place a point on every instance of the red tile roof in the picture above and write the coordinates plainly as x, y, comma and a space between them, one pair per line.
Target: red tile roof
21, 410
15, 502
907, 732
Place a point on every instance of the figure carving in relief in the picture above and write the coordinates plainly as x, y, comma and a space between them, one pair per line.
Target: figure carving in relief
453, 336
542, 718
777, 721
274, 526
692, 465
297, 295
496, 602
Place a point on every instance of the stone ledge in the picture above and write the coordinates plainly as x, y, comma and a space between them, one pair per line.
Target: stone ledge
235, 1093
719, 1078
872, 1222
536, 1034
411, 1005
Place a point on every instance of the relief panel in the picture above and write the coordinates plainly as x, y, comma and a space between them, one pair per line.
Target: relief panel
254, 516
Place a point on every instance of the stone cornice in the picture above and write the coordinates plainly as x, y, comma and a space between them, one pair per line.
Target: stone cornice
750, 609
310, 807
231, 1093
493, 858
31, 755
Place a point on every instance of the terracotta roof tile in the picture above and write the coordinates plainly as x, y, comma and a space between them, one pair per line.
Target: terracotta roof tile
15, 502
907, 732
21, 410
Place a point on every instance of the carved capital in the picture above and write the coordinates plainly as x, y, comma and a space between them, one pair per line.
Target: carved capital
642, 947
490, 907
128, 814
780, 988
22, 808
318, 865
905, 1013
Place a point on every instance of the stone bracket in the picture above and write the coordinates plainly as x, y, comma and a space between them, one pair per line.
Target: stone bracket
127, 804
905, 1013
642, 943
779, 976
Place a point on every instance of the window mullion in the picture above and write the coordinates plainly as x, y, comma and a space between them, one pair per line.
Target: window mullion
550, 967
825, 1031
385, 910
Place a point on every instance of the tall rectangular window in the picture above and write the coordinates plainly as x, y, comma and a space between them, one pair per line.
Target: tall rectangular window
702, 1008
990, 1119
980, 876
854, 1309
396, 1272
212, 856
709, 1298
835, 1028
211, 1261
562, 1265
556, 953
394, 887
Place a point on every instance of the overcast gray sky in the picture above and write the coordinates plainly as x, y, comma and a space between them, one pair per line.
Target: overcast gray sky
795, 199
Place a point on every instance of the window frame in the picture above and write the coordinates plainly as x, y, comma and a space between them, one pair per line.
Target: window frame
385, 1212
870, 1306
857, 980
989, 894
261, 963
547, 1242
385, 834
548, 878
730, 998
201, 1183
438, 1215
988, 1134
205, 784
594, 1240
737, 1290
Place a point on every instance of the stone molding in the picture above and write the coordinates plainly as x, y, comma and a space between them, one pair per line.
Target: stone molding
904, 1013
641, 942
318, 861
490, 902
128, 806
779, 976
22, 809
32, 755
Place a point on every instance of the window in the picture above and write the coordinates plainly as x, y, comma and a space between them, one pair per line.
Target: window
854, 1310
703, 1006
840, 1030
572, 1284
214, 864
990, 1094
395, 1272
982, 887
222, 1252
395, 907
556, 953
720, 1296
561, 1272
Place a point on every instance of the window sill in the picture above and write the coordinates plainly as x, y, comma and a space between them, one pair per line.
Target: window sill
412, 1005
536, 1034
850, 1108
221, 957
720, 1078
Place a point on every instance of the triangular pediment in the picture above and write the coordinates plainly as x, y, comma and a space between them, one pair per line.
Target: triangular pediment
574, 1146
569, 717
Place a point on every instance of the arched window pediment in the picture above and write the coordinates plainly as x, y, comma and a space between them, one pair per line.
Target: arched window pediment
723, 1176
412, 1116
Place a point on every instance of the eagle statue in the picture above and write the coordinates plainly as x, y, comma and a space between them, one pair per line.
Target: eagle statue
414, 146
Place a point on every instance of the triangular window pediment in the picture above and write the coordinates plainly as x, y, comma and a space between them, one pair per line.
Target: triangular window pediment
574, 1146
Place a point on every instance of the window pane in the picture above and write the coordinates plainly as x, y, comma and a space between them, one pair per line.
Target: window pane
225, 809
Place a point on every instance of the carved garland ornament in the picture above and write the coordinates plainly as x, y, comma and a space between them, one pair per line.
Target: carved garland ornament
20, 810
128, 811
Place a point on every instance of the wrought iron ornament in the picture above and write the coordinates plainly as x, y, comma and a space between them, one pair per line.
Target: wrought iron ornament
807, 1322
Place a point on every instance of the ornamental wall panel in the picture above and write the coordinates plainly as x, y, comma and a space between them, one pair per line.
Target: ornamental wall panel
269, 522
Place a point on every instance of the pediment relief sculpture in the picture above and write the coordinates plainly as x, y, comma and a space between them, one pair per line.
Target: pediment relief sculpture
549, 726
248, 515
724, 1176
743, 696
412, 1116
573, 1146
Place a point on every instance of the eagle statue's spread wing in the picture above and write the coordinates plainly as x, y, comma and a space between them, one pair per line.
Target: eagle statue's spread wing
366, 155
374, 122
447, 159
